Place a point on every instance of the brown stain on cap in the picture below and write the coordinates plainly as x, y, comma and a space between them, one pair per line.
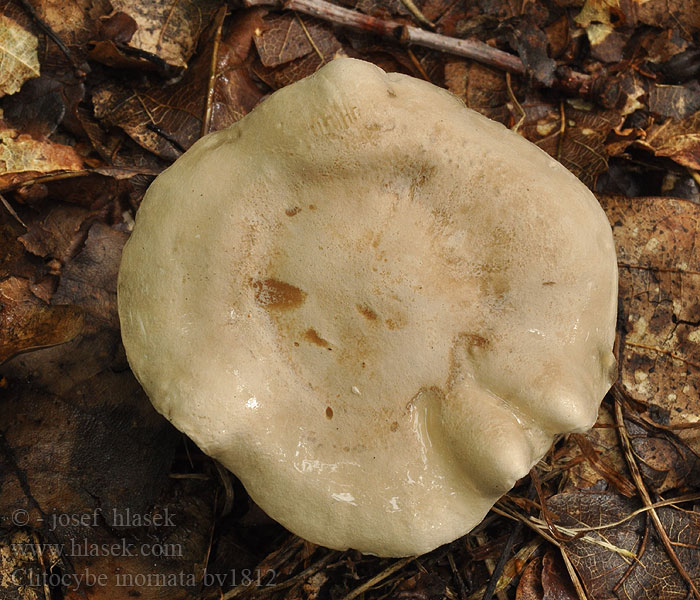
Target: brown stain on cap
313, 337
274, 294
367, 312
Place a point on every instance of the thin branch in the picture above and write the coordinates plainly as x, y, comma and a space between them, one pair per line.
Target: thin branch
370, 583
495, 575
415, 11
575, 580
567, 79
8, 208
46, 28
219, 20
398, 32
644, 494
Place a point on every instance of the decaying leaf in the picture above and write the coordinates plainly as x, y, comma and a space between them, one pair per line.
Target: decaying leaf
23, 157
659, 262
605, 559
18, 558
482, 88
27, 322
235, 93
90, 279
76, 430
292, 47
681, 14
545, 578
169, 29
286, 37
573, 132
165, 119
19, 60
668, 14
596, 462
57, 233
596, 459
83, 439
675, 101
676, 139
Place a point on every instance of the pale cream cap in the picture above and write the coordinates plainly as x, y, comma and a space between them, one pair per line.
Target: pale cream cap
373, 305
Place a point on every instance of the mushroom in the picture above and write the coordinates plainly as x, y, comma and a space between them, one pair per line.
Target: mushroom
373, 305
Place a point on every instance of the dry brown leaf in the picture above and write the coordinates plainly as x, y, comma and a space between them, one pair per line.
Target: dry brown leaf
668, 14
19, 60
74, 21
482, 88
675, 101
168, 29
42, 105
57, 233
167, 119
545, 578
530, 584
90, 279
659, 260
164, 120
105, 456
610, 574
683, 15
27, 322
591, 475
235, 93
678, 140
23, 157
288, 36
666, 463
82, 437
294, 47
573, 132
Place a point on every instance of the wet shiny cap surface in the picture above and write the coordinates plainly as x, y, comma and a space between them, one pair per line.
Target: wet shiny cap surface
373, 305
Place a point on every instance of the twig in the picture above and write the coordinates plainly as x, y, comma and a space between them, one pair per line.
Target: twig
573, 575
40, 558
11, 210
415, 11
296, 579
219, 20
540, 527
640, 553
644, 493
567, 79
417, 65
406, 34
634, 513
553, 529
46, 28
494, 575
370, 583
658, 350
290, 547
227, 484
512, 569
517, 104
310, 38
458, 576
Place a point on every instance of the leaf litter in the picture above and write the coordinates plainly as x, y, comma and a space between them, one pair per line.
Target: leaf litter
105, 95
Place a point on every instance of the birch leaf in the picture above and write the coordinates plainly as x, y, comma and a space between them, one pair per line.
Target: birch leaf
19, 60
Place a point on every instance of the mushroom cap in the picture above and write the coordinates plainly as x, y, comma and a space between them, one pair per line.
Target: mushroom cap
373, 305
